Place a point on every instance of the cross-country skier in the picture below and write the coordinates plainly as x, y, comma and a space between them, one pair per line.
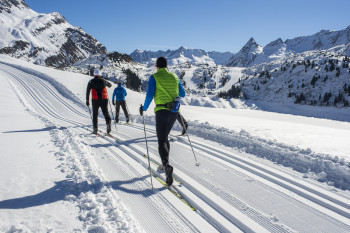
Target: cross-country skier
165, 88
119, 93
97, 86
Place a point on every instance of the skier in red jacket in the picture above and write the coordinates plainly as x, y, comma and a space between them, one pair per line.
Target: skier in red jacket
97, 86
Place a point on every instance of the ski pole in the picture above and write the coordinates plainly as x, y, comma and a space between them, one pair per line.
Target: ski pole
183, 124
127, 109
90, 115
112, 114
149, 164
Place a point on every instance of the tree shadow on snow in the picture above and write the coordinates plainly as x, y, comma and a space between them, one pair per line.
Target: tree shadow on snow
64, 188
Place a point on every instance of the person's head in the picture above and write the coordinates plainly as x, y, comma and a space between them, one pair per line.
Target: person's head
97, 72
161, 62
119, 84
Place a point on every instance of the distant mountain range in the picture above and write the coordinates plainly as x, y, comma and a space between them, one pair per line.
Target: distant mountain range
46, 39
182, 55
312, 70
252, 53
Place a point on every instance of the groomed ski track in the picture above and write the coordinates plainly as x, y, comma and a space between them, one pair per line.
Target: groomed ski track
230, 192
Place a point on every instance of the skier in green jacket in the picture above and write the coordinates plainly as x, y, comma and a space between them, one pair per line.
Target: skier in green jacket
166, 88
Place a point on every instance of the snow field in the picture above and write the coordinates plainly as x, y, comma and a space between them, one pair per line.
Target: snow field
108, 181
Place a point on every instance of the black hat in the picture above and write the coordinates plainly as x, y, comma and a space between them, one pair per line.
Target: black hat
161, 62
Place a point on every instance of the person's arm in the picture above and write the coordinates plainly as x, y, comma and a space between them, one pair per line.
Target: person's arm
150, 92
125, 93
182, 92
88, 89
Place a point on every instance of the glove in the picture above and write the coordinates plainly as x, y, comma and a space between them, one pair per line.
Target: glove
87, 103
113, 102
141, 110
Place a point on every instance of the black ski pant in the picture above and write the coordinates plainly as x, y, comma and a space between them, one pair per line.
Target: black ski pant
96, 104
181, 120
121, 103
164, 122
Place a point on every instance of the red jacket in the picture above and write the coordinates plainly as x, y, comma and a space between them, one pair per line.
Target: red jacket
97, 86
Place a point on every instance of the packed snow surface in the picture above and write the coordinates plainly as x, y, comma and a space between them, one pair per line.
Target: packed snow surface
285, 169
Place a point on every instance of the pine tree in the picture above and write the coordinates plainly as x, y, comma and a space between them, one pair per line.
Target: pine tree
132, 80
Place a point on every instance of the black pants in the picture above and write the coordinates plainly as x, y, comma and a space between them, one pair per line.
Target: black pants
125, 110
181, 120
96, 104
164, 122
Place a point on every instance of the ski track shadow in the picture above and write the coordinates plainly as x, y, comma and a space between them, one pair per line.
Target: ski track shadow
102, 145
43, 129
31, 130
138, 140
64, 188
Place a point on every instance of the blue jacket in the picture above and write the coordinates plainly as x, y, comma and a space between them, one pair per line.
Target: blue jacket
152, 88
119, 92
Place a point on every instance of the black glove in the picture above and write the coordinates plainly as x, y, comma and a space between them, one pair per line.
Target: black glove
113, 102
141, 110
87, 103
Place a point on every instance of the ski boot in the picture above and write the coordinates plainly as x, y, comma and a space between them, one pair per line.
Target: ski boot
109, 129
94, 131
169, 174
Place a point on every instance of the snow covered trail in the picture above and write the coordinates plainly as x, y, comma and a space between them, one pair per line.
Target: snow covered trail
259, 191
232, 191
97, 181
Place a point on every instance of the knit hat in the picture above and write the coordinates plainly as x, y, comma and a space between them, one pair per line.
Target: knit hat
161, 62
97, 72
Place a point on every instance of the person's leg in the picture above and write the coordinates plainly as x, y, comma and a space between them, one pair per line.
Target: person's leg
117, 109
182, 122
170, 123
164, 122
104, 108
125, 110
95, 107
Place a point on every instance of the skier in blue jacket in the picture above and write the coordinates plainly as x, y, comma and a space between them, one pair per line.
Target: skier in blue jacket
119, 93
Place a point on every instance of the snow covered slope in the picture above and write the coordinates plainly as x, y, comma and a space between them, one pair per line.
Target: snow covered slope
252, 53
45, 39
318, 78
259, 171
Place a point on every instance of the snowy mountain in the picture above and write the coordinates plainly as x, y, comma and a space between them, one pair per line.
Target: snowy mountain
46, 39
317, 77
246, 55
182, 55
252, 53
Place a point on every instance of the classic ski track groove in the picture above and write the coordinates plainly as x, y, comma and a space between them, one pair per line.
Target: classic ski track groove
121, 161
209, 212
329, 201
231, 157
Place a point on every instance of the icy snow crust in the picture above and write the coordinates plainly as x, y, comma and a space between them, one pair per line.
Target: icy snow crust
107, 180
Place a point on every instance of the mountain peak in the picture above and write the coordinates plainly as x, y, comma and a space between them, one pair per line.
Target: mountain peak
251, 43
7, 5
275, 43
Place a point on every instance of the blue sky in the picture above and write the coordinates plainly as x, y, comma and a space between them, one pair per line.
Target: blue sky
217, 25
